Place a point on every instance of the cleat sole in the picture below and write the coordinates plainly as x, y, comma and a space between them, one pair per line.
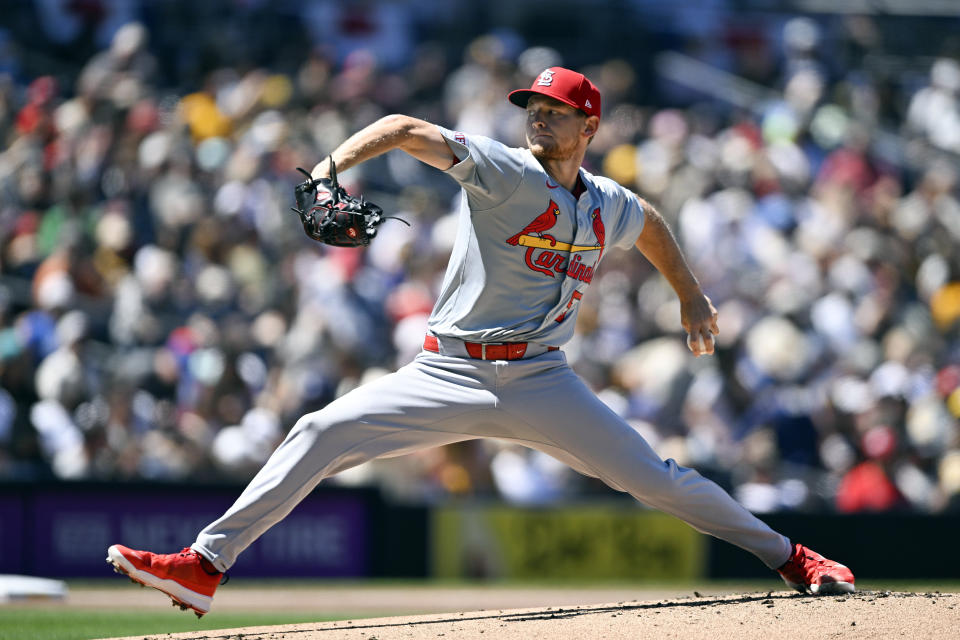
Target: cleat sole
833, 588
825, 589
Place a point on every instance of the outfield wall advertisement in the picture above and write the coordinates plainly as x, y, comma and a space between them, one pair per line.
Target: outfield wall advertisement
571, 542
64, 531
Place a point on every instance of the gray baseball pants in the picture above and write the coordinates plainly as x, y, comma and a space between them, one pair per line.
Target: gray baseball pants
439, 399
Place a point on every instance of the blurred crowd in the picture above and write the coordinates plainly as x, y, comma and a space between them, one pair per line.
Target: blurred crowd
163, 317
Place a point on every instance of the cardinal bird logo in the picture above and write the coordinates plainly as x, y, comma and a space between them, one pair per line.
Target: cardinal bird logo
546, 255
541, 223
598, 230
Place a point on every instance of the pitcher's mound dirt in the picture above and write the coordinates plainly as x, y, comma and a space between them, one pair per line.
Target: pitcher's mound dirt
761, 616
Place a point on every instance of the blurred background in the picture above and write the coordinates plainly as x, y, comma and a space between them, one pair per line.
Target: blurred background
163, 318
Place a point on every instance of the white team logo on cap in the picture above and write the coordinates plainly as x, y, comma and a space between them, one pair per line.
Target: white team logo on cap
587, 104
546, 78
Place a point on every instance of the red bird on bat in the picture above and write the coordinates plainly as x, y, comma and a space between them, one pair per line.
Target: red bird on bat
541, 223
598, 230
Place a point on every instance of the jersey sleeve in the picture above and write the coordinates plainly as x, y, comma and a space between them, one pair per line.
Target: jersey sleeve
489, 171
630, 222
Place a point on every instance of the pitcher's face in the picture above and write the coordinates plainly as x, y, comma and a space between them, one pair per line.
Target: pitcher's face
556, 130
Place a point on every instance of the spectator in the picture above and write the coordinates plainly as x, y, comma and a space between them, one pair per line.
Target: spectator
162, 317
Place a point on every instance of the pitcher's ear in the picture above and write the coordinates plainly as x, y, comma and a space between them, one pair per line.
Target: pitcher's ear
591, 124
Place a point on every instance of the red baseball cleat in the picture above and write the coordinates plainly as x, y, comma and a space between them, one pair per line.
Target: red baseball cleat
808, 571
187, 577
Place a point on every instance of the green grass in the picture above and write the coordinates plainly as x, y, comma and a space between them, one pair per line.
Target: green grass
50, 623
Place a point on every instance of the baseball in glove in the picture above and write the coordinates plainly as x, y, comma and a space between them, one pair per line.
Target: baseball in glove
332, 216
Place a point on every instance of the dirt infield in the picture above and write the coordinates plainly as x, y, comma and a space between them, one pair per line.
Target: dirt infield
766, 616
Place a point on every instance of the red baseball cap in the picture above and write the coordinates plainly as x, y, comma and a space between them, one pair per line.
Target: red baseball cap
567, 86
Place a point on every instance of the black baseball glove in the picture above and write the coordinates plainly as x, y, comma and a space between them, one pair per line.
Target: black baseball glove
331, 215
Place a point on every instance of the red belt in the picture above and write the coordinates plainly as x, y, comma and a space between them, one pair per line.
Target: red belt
485, 351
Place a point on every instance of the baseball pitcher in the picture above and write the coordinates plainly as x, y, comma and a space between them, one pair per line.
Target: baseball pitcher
533, 227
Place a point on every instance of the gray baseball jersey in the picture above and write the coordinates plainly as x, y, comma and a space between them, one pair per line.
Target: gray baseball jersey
526, 248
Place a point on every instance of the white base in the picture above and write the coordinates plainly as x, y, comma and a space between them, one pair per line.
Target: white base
14, 588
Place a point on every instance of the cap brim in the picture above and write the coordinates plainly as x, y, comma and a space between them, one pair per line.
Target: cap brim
521, 96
